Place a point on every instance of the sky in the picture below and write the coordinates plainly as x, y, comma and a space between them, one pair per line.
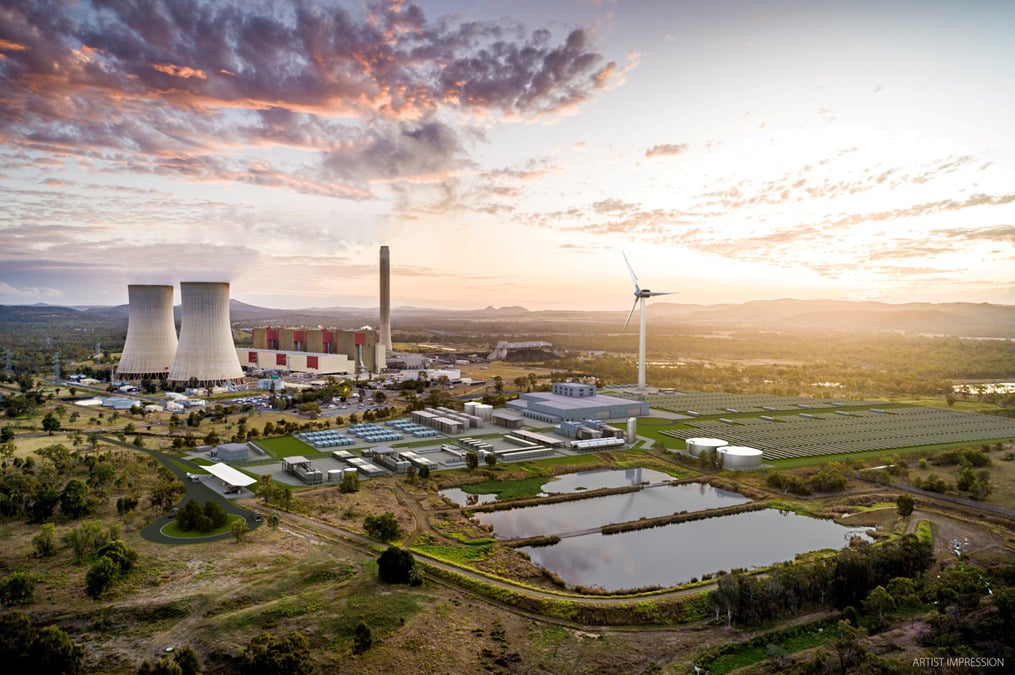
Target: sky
508, 151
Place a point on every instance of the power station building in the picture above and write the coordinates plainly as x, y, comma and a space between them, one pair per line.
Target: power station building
323, 351
205, 353
150, 347
572, 401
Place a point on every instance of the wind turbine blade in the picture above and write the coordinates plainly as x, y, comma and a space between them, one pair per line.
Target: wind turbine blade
652, 294
634, 307
630, 269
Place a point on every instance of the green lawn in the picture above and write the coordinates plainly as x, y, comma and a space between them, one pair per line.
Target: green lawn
289, 446
172, 529
749, 655
508, 489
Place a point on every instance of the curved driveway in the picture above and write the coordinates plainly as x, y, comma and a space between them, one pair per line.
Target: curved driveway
197, 491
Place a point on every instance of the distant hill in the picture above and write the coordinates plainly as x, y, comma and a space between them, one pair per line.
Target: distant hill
957, 318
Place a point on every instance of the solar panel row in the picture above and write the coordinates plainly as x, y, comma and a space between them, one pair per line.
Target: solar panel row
827, 434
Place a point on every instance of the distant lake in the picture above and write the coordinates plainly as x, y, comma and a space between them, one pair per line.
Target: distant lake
674, 554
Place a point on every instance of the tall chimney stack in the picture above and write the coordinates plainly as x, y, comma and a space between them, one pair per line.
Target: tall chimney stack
385, 336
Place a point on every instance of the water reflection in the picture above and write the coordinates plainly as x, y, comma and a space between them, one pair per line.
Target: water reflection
583, 514
571, 482
673, 554
603, 478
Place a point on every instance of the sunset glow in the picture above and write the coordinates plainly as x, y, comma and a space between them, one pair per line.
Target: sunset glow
508, 151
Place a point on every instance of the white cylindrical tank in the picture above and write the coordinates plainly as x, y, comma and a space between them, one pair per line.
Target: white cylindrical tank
740, 457
470, 407
206, 351
632, 430
484, 411
708, 446
151, 342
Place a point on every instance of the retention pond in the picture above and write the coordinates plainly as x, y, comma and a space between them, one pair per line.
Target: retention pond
674, 554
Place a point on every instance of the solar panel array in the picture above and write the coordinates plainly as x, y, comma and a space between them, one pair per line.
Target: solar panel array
791, 436
720, 403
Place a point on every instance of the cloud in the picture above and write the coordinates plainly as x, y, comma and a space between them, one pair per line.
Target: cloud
667, 150
377, 92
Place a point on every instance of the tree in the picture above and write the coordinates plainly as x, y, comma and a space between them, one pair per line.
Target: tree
120, 554
101, 577
166, 665
86, 538
847, 645
267, 654
350, 482
50, 423
238, 529
879, 604
75, 501
491, 460
52, 651
471, 460
383, 527
966, 479
904, 504
17, 588
397, 566
45, 542
423, 473
7, 434
363, 638
183, 661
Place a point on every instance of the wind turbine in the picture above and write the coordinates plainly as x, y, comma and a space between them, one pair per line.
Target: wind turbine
640, 295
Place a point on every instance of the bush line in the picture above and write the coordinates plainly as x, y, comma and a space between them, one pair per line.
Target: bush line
683, 517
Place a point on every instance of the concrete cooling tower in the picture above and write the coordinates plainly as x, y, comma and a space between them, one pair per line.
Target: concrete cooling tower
151, 334
206, 351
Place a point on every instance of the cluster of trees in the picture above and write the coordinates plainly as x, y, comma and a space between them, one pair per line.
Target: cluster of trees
207, 518
270, 492
842, 581
28, 648
863, 365
114, 561
829, 478
383, 527
33, 490
183, 661
269, 654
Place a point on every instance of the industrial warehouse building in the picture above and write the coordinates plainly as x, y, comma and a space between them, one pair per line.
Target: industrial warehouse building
324, 351
572, 401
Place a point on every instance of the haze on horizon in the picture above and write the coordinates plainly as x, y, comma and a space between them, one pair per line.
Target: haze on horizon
508, 151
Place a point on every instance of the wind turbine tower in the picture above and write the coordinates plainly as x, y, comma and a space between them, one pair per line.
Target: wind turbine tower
640, 295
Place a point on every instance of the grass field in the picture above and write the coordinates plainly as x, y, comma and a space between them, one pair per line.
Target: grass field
172, 529
288, 446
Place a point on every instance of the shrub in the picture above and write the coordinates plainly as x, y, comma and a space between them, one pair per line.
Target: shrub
383, 527
17, 588
397, 566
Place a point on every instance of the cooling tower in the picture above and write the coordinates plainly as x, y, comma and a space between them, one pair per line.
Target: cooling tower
385, 337
206, 351
151, 334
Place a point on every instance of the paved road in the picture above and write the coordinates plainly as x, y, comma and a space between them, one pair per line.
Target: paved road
365, 543
197, 491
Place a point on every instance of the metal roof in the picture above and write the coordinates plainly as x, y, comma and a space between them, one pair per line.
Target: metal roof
230, 475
